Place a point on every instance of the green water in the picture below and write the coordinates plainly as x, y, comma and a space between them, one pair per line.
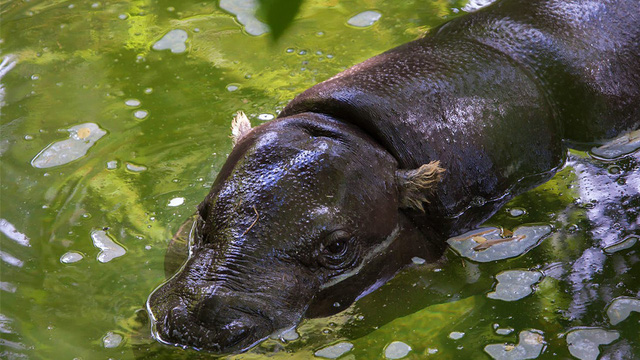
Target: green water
72, 62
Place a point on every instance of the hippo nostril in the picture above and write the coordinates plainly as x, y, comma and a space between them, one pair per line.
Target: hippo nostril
235, 332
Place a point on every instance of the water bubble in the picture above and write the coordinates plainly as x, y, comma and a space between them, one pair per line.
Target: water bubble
135, 168
132, 102
35, 77
71, 257
176, 201
28, 137
123, 16
516, 212
95, 5
397, 350
111, 340
112, 165
232, 87
265, 117
148, 90
418, 260
334, 351
364, 19
456, 335
290, 50
140, 114
504, 331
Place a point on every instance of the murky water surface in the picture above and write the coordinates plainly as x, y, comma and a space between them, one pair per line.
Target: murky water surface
115, 121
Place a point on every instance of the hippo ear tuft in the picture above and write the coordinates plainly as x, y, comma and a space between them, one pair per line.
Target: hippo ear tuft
240, 126
416, 185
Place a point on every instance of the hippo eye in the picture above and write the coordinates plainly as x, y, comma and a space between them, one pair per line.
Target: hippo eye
336, 252
337, 247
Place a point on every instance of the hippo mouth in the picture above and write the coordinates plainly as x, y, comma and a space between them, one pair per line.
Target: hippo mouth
214, 328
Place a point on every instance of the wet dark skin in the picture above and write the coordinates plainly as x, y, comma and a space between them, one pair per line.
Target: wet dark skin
320, 206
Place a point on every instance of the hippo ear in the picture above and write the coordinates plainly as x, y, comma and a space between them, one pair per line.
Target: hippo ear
415, 185
240, 126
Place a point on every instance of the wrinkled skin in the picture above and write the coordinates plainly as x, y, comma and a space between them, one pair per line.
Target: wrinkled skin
236, 288
313, 210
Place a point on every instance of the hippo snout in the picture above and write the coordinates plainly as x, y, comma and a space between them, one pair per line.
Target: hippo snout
219, 323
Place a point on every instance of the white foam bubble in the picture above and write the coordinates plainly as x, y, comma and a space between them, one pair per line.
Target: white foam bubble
621, 307
245, 10
514, 284
364, 19
71, 257
175, 40
397, 350
109, 249
584, 343
530, 345
334, 351
176, 201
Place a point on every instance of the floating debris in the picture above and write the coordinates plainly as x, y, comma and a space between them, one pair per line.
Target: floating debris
109, 249
245, 10
364, 19
487, 244
621, 307
334, 351
514, 284
584, 343
81, 138
626, 243
175, 40
530, 346
71, 257
397, 350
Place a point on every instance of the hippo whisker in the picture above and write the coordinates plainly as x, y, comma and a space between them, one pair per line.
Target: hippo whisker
254, 221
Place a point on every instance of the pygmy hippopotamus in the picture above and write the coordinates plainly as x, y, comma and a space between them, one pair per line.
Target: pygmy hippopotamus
391, 157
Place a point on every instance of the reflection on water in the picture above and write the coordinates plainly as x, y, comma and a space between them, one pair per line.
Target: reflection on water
71, 290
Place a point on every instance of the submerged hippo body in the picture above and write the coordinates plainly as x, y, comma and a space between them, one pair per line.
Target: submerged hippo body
389, 158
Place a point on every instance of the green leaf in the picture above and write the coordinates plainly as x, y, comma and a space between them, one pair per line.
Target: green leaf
279, 14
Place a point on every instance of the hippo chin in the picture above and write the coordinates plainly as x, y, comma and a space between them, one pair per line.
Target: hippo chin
385, 161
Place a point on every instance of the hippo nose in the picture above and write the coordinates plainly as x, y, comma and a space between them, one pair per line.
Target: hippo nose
231, 324
212, 325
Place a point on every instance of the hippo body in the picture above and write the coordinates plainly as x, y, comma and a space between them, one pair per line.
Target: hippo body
389, 158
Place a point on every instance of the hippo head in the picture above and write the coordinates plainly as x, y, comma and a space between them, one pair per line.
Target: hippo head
303, 218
